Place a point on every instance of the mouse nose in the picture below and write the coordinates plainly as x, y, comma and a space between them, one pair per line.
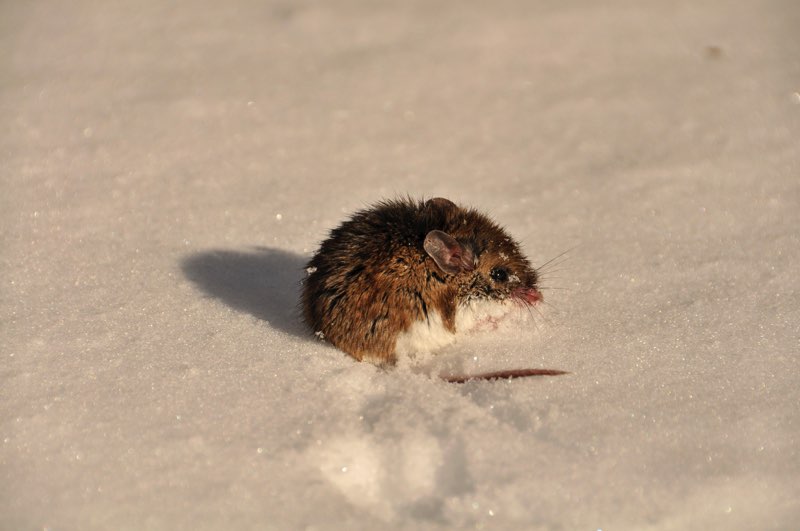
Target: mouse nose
528, 295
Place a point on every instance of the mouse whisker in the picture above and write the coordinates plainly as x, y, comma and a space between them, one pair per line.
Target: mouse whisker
522, 305
553, 306
547, 277
553, 268
530, 307
556, 258
542, 284
550, 264
542, 316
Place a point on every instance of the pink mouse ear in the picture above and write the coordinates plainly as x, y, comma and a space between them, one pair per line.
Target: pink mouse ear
449, 255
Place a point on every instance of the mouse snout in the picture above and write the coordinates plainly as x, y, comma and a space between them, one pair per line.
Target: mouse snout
527, 295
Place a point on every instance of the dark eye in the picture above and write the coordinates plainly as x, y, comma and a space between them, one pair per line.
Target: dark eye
499, 274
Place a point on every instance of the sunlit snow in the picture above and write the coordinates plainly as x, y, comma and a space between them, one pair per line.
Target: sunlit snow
169, 168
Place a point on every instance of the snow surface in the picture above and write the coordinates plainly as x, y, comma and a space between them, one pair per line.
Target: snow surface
168, 168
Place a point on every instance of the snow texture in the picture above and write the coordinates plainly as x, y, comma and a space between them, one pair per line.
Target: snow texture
169, 167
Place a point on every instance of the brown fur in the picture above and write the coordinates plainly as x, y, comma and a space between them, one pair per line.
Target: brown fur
372, 278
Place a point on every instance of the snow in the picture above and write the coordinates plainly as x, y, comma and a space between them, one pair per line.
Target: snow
167, 170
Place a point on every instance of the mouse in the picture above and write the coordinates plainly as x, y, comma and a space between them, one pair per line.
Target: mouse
404, 276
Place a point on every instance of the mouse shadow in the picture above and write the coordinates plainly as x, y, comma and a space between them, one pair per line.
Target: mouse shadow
264, 282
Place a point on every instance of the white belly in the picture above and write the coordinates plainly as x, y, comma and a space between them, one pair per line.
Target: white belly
430, 335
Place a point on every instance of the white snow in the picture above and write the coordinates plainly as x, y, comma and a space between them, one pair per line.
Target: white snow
168, 168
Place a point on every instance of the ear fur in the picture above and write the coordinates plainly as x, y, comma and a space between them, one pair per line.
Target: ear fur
449, 255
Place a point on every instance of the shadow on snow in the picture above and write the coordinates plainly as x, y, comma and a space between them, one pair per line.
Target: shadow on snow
263, 282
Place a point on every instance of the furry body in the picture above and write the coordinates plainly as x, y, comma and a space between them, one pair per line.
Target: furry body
402, 266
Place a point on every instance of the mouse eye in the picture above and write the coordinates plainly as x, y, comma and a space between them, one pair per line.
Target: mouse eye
499, 274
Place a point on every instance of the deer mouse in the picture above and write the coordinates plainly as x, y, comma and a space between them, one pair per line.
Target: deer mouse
403, 276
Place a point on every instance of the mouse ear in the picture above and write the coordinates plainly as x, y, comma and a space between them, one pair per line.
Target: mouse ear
440, 202
449, 255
